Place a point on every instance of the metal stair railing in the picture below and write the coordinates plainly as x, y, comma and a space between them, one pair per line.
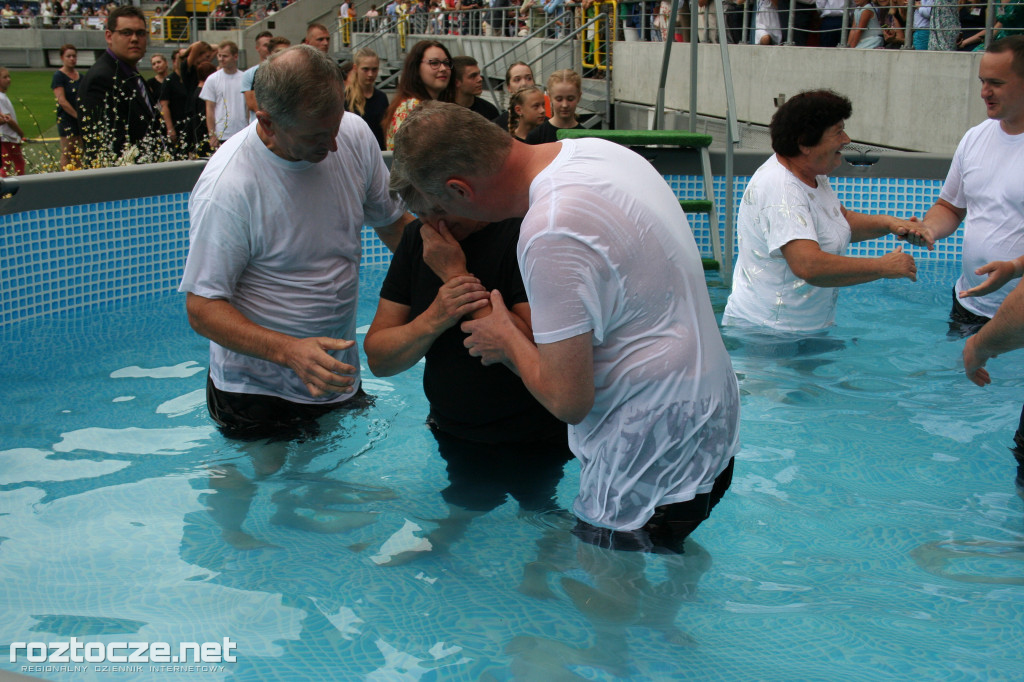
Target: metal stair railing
724, 256
599, 23
683, 139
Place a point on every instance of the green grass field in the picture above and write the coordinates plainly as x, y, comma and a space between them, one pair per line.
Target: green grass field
36, 108
37, 115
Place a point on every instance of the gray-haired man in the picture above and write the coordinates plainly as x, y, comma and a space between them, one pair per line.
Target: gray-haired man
624, 343
273, 264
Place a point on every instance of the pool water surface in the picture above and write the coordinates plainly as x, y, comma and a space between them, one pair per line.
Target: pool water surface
871, 532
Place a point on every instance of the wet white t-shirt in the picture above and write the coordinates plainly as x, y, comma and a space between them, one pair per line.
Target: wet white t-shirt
776, 209
606, 248
987, 178
280, 241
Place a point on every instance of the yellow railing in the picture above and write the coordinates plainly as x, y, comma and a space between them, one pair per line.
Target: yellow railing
403, 30
594, 50
345, 31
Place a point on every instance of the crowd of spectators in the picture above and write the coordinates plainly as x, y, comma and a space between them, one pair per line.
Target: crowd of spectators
66, 14
92, 14
870, 24
938, 24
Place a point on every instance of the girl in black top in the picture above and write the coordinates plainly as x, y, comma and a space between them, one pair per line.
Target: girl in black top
525, 111
564, 90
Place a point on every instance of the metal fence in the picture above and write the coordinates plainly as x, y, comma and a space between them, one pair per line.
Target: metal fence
945, 24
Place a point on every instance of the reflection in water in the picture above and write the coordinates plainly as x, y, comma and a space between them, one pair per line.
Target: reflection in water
939, 557
481, 478
305, 501
616, 594
775, 353
758, 343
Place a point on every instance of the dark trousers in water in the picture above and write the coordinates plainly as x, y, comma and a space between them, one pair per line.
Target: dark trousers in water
249, 416
964, 323
666, 531
482, 475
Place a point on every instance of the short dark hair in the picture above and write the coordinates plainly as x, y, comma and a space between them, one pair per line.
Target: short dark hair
1014, 44
316, 25
277, 41
262, 34
460, 63
804, 118
123, 11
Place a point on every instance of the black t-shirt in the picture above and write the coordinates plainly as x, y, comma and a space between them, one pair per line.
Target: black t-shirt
174, 92
546, 132
153, 89
374, 112
484, 108
502, 120
467, 399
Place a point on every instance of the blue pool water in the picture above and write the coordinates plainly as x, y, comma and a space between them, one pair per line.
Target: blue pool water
871, 532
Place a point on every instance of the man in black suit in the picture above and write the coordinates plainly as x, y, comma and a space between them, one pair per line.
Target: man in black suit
116, 107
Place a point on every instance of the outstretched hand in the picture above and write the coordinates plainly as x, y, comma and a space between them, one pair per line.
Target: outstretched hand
898, 264
319, 371
999, 273
914, 232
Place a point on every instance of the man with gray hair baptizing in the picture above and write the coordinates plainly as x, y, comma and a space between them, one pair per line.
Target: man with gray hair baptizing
272, 276
625, 345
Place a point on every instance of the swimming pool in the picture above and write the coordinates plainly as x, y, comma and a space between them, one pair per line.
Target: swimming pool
871, 532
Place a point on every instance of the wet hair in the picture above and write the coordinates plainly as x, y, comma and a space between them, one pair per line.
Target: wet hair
298, 81
515, 100
410, 84
355, 100
1013, 44
67, 46
566, 76
123, 11
427, 153
804, 118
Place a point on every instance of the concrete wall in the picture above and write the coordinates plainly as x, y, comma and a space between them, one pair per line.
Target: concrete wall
922, 101
291, 23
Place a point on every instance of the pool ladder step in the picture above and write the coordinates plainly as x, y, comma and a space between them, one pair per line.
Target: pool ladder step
699, 142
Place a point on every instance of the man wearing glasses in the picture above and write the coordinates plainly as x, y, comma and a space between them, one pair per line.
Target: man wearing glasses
117, 111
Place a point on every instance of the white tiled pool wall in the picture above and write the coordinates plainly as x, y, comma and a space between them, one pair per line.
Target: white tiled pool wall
79, 257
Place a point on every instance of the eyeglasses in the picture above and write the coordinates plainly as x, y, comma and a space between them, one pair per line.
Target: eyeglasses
436, 64
139, 33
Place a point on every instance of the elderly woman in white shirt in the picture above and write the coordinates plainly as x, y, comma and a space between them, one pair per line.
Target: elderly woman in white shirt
794, 232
